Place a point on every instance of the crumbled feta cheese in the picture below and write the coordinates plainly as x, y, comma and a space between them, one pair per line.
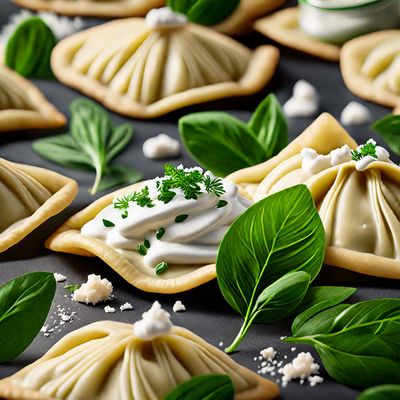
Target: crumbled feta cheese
178, 307
65, 317
340, 155
161, 146
94, 290
155, 322
293, 349
126, 306
313, 380
269, 353
59, 277
304, 101
164, 17
302, 367
313, 163
221, 344
109, 310
355, 114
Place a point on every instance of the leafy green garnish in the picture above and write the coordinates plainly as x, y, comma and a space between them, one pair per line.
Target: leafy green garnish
181, 218
146, 243
92, 144
140, 197
142, 249
160, 233
381, 392
24, 304
107, 223
223, 144
205, 12
204, 387
72, 288
358, 344
161, 268
221, 204
367, 149
29, 49
269, 256
389, 129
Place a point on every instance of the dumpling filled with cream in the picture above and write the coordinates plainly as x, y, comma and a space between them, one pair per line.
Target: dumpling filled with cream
356, 190
149, 67
145, 361
28, 197
162, 235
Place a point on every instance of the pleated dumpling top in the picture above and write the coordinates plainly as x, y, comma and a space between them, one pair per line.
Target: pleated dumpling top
112, 360
148, 67
356, 190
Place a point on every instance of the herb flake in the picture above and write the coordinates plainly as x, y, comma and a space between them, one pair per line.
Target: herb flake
107, 223
181, 218
161, 268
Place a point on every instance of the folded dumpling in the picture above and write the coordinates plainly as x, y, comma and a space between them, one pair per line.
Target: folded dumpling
95, 8
145, 361
371, 67
23, 106
148, 67
160, 235
356, 191
28, 197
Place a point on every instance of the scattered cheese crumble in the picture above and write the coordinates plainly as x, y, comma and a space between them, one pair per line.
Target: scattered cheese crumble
94, 290
161, 146
165, 17
59, 277
109, 310
126, 306
355, 114
178, 307
269, 353
304, 101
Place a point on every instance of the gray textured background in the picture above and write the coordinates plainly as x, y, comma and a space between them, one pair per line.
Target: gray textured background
208, 315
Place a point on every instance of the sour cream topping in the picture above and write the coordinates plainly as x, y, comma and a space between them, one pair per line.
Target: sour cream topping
181, 231
165, 18
155, 322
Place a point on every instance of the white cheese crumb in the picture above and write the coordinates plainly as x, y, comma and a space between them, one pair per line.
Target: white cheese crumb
313, 163
283, 337
221, 344
161, 146
59, 277
164, 17
109, 310
155, 322
293, 349
355, 114
302, 367
304, 101
178, 307
314, 380
255, 359
269, 353
65, 317
94, 290
126, 306
340, 155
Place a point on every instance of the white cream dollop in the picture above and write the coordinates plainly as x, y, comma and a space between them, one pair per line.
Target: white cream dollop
161, 146
340, 155
313, 163
155, 322
94, 290
355, 114
304, 101
195, 240
165, 17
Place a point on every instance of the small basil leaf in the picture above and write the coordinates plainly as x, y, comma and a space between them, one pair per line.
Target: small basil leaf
24, 304
205, 387
29, 49
382, 392
389, 129
219, 142
319, 298
277, 235
108, 224
120, 138
269, 124
205, 12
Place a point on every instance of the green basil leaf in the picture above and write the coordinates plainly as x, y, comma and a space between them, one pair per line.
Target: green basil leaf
389, 129
269, 124
72, 288
29, 49
204, 387
205, 12
382, 392
24, 304
319, 298
119, 175
219, 142
120, 138
277, 235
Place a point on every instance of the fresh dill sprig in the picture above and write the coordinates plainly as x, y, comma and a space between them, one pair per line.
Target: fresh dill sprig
214, 186
367, 149
141, 198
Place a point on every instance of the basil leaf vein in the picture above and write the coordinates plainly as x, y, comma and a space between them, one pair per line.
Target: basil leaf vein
389, 129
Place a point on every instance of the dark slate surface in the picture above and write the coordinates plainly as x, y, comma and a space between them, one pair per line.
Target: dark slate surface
208, 315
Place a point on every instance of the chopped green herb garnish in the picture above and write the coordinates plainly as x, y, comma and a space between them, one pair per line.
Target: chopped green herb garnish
146, 243
181, 218
72, 288
141, 198
161, 268
107, 223
160, 233
221, 203
367, 149
142, 249
214, 185
124, 214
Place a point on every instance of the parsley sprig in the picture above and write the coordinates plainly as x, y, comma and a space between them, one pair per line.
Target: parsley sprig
367, 149
140, 197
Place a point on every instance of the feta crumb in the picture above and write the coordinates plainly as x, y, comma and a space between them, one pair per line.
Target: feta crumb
126, 306
264, 364
221, 344
94, 290
314, 380
283, 337
313, 163
65, 317
355, 114
255, 359
293, 349
302, 367
109, 310
59, 277
178, 307
164, 17
269, 353
340, 155
161, 146
304, 101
